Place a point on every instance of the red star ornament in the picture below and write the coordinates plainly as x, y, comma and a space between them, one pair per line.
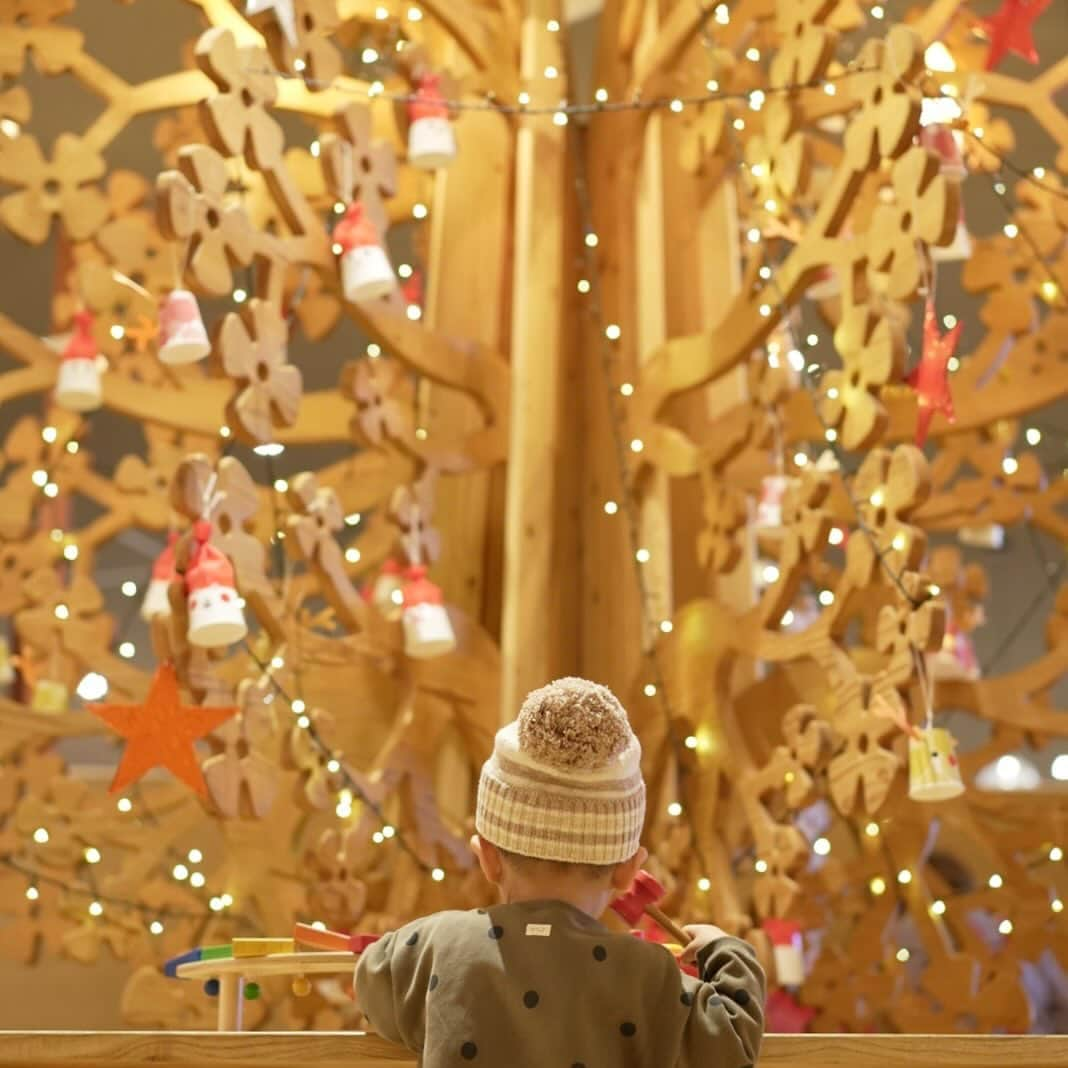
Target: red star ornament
161, 732
930, 377
1009, 30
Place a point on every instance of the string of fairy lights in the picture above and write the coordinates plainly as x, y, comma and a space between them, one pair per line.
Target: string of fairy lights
561, 112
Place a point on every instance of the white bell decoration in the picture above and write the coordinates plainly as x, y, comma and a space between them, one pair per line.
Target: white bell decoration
216, 617
934, 771
157, 601
991, 536
431, 142
788, 949
427, 629
366, 273
183, 338
78, 385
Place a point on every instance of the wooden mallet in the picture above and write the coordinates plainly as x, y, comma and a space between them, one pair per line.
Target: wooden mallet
641, 899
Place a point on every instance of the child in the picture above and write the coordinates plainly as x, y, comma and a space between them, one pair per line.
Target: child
537, 982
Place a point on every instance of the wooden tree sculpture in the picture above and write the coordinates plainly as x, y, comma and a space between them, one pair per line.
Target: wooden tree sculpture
798, 617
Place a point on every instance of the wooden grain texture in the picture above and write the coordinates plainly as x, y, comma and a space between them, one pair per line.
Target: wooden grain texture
60, 1049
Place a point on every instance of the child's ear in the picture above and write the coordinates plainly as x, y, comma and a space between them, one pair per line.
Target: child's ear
625, 872
489, 858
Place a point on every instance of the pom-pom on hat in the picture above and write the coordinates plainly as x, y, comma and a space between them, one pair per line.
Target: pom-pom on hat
564, 781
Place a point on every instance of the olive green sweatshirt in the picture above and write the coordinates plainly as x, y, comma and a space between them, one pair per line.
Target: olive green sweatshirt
542, 985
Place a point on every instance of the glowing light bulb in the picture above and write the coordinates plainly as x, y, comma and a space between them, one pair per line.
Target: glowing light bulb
831, 434
788, 618
95, 908
601, 96
904, 877
40, 836
1010, 229
560, 118
674, 809
877, 886
691, 741
437, 875
610, 507
124, 804
877, 499
800, 458
637, 445
1005, 927
1033, 435
666, 626
821, 847
92, 855
1049, 291
197, 879
92, 687
650, 690
1010, 465
129, 589
333, 766
591, 240
903, 955
1056, 854
127, 650
642, 556
770, 573
761, 866
627, 389
156, 927
612, 332
995, 882
180, 872
240, 296
676, 105
32, 893
583, 285
62, 611
49, 435
826, 598
39, 478
938, 908
352, 554
836, 536
704, 884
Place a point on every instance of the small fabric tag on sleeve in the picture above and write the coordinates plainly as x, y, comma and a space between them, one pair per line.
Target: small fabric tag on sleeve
539, 930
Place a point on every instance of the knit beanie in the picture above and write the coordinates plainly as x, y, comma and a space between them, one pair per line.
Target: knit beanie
564, 781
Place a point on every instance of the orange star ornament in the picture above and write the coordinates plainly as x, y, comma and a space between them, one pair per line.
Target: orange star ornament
161, 732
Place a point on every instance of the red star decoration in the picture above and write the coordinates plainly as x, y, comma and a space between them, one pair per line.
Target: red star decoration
161, 732
1009, 30
930, 377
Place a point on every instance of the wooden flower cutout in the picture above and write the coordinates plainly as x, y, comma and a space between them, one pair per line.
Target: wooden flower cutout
873, 355
312, 53
372, 383
805, 526
1006, 271
358, 168
703, 132
718, 546
61, 187
312, 536
193, 209
252, 346
806, 44
987, 154
236, 118
778, 158
888, 488
925, 212
862, 763
412, 509
890, 104
906, 627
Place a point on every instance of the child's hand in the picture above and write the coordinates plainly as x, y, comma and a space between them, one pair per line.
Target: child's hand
701, 935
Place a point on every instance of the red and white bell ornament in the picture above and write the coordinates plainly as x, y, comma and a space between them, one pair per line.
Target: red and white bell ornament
387, 594
769, 507
366, 273
788, 949
427, 629
78, 385
182, 337
956, 660
216, 617
431, 141
934, 771
157, 602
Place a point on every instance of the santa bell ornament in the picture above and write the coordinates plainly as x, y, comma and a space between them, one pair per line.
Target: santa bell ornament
431, 143
183, 338
785, 936
215, 609
78, 386
366, 273
427, 629
387, 595
934, 771
157, 602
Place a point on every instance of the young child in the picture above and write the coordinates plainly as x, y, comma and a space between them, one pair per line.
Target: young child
537, 981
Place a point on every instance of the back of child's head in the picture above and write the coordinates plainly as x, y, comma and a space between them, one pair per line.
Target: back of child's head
563, 786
